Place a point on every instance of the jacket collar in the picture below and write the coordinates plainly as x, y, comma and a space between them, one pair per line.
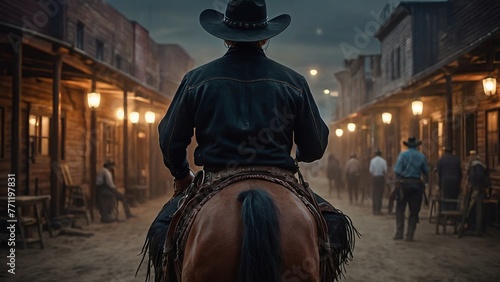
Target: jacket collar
245, 49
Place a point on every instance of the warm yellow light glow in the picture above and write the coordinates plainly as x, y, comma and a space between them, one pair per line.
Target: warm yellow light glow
93, 99
334, 93
386, 118
150, 117
120, 114
134, 117
351, 127
339, 132
425, 121
313, 72
326, 91
417, 107
489, 86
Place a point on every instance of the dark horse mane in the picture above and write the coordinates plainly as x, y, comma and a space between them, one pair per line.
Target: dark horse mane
261, 254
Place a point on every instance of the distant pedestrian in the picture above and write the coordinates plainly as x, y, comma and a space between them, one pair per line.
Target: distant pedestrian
411, 164
449, 169
479, 186
106, 185
333, 174
352, 176
378, 170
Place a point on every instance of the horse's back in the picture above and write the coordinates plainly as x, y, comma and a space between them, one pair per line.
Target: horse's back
214, 243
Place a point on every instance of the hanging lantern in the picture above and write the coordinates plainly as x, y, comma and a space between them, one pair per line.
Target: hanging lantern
386, 118
489, 86
417, 107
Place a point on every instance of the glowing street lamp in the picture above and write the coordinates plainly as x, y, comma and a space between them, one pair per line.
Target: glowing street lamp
326, 91
93, 99
120, 114
150, 117
489, 86
417, 107
339, 132
386, 118
351, 127
134, 117
313, 72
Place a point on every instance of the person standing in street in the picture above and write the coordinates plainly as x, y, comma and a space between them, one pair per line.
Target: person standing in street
409, 168
333, 175
449, 171
378, 170
352, 176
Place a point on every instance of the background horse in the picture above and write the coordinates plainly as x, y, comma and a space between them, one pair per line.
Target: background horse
252, 230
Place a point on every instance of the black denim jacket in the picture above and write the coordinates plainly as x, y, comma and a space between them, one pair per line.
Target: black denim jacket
247, 110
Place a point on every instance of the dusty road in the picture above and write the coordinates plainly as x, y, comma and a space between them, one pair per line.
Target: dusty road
111, 254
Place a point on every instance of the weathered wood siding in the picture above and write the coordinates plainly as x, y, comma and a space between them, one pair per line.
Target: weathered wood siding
429, 26
400, 37
102, 22
41, 16
468, 22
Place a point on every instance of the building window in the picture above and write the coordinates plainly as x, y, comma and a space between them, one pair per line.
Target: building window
108, 141
492, 139
99, 50
39, 128
79, 35
118, 62
398, 63
2, 133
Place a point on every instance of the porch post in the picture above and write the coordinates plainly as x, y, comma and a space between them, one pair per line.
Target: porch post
125, 141
17, 77
449, 112
55, 144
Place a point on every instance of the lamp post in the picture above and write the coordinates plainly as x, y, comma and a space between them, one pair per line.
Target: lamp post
417, 107
150, 119
93, 100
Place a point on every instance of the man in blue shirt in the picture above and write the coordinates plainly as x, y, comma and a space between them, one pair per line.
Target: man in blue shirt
411, 164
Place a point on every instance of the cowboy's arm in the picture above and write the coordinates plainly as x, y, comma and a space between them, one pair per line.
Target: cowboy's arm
311, 132
175, 131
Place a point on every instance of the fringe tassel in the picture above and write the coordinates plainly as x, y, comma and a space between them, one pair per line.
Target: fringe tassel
342, 235
156, 233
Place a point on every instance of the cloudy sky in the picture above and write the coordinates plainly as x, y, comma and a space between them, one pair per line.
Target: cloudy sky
321, 35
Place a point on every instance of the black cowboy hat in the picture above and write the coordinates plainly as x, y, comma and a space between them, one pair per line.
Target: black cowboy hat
378, 152
412, 142
109, 163
244, 21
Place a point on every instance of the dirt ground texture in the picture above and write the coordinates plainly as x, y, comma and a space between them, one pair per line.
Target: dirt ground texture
112, 253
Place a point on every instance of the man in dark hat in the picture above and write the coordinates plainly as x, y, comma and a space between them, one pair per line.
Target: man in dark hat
378, 170
247, 109
449, 169
106, 185
410, 166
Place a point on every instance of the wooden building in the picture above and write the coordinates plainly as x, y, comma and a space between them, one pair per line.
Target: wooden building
53, 53
437, 53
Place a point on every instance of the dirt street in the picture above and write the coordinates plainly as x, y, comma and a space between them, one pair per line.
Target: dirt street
112, 253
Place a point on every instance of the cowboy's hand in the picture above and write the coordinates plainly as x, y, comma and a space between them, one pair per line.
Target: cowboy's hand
181, 184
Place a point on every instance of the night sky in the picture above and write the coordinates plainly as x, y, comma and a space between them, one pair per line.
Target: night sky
321, 35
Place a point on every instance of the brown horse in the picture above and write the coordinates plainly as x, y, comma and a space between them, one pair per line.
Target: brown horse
252, 230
